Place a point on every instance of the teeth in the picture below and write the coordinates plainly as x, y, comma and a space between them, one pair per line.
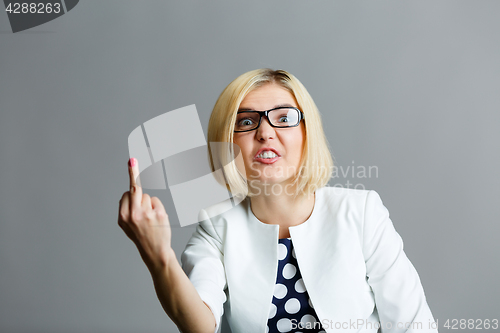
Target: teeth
267, 154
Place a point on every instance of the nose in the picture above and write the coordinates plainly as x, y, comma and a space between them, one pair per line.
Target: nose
265, 130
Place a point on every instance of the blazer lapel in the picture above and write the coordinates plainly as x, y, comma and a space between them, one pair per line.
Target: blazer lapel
332, 264
252, 255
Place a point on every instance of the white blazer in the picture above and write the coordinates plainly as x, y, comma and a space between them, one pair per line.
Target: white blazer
349, 254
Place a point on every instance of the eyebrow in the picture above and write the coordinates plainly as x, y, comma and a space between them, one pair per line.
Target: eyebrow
276, 106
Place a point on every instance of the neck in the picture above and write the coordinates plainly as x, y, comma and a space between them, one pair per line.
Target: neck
284, 210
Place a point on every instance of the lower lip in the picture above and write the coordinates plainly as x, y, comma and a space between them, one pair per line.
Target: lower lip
267, 160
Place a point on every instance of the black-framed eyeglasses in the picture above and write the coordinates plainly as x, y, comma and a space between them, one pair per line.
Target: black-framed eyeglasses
281, 117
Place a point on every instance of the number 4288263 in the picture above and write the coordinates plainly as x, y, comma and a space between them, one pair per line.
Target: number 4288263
33, 8
460, 324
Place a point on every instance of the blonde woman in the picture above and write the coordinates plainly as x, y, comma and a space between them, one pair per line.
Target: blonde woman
294, 255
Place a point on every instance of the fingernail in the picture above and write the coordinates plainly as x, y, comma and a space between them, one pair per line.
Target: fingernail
132, 162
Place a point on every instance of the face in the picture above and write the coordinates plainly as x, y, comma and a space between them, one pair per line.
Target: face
287, 143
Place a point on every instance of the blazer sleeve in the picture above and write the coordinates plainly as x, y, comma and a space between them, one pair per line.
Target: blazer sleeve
202, 261
399, 297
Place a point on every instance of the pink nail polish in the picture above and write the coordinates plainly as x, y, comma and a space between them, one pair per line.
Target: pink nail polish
132, 162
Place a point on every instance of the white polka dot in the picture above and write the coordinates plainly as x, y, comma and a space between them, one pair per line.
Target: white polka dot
273, 310
299, 286
293, 253
282, 251
292, 306
289, 271
280, 290
310, 303
308, 319
284, 325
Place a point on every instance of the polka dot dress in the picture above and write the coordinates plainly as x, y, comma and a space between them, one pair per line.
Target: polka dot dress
291, 308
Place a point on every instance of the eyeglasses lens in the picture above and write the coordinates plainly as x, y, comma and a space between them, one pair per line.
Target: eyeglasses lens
284, 117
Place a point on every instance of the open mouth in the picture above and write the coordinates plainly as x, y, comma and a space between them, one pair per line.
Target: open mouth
267, 157
267, 154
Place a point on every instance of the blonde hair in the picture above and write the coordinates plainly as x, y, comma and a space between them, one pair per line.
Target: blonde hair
316, 164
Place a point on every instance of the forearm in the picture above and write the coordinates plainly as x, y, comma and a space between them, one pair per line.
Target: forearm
180, 300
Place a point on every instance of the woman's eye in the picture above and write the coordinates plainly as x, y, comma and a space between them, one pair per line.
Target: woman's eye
283, 119
246, 122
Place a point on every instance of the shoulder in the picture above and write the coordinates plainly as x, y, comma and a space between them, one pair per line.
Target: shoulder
341, 196
351, 205
219, 213
362, 208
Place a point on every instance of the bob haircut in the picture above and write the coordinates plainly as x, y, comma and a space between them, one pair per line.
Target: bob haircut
316, 164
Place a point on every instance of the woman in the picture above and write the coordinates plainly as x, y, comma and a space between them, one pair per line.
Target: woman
294, 256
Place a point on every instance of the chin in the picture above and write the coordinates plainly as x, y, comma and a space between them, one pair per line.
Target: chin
263, 182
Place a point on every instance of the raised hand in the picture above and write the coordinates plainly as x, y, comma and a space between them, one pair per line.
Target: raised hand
145, 222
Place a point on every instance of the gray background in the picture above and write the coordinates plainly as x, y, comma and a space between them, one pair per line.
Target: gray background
411, 87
